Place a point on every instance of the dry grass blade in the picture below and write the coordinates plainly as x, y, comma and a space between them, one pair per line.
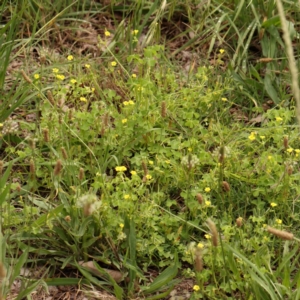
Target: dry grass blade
291, 58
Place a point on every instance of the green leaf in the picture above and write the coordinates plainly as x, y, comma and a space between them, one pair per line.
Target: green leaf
257, 275
20, 263
118, 291
164, 294
270, 89
28, 290
41, 221
131, 240
92, 279
275, 21
162, 280
65, 281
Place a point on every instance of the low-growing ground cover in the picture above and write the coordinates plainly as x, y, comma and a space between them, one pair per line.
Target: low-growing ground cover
135, 157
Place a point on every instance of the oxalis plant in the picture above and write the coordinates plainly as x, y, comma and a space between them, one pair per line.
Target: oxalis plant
135, 172
136, 179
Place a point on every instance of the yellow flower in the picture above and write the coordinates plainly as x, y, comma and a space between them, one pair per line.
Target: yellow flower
83, 99
222, 51
270, 157
200, 246
278, 221
207, 189
73, 81
113, 63
133, 173
120, 169
133, 75
36, 76
126, 196
207, 203
148, 176
279, 119
135, 32
196, 288
60, 77
121, 225
190, 149
251, 137
87, 66
70, 57
150, 162
262, 137
265, 238
290, 150
107, 33
130, 102
55, 70
124, 121
207, 236
273, 204
224, 99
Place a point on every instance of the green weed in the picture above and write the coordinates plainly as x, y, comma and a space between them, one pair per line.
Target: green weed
127, 164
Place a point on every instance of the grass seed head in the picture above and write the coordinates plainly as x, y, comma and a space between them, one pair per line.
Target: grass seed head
280, 233
70, 114
225, 186
145, 169
214, 232
26, 77
31, 143
239, 222
50, 97
289, 169
199, 198
46, 135
198, 260
64, 153
81, 174
57, 168
18, 188
68, 219
163, 109
221, 155
60, 102
87, 211
104, 124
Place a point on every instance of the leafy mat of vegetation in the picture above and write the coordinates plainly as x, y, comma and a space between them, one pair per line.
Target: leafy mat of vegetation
144, 143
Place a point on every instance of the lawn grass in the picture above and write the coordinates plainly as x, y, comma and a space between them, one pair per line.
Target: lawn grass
146, 143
